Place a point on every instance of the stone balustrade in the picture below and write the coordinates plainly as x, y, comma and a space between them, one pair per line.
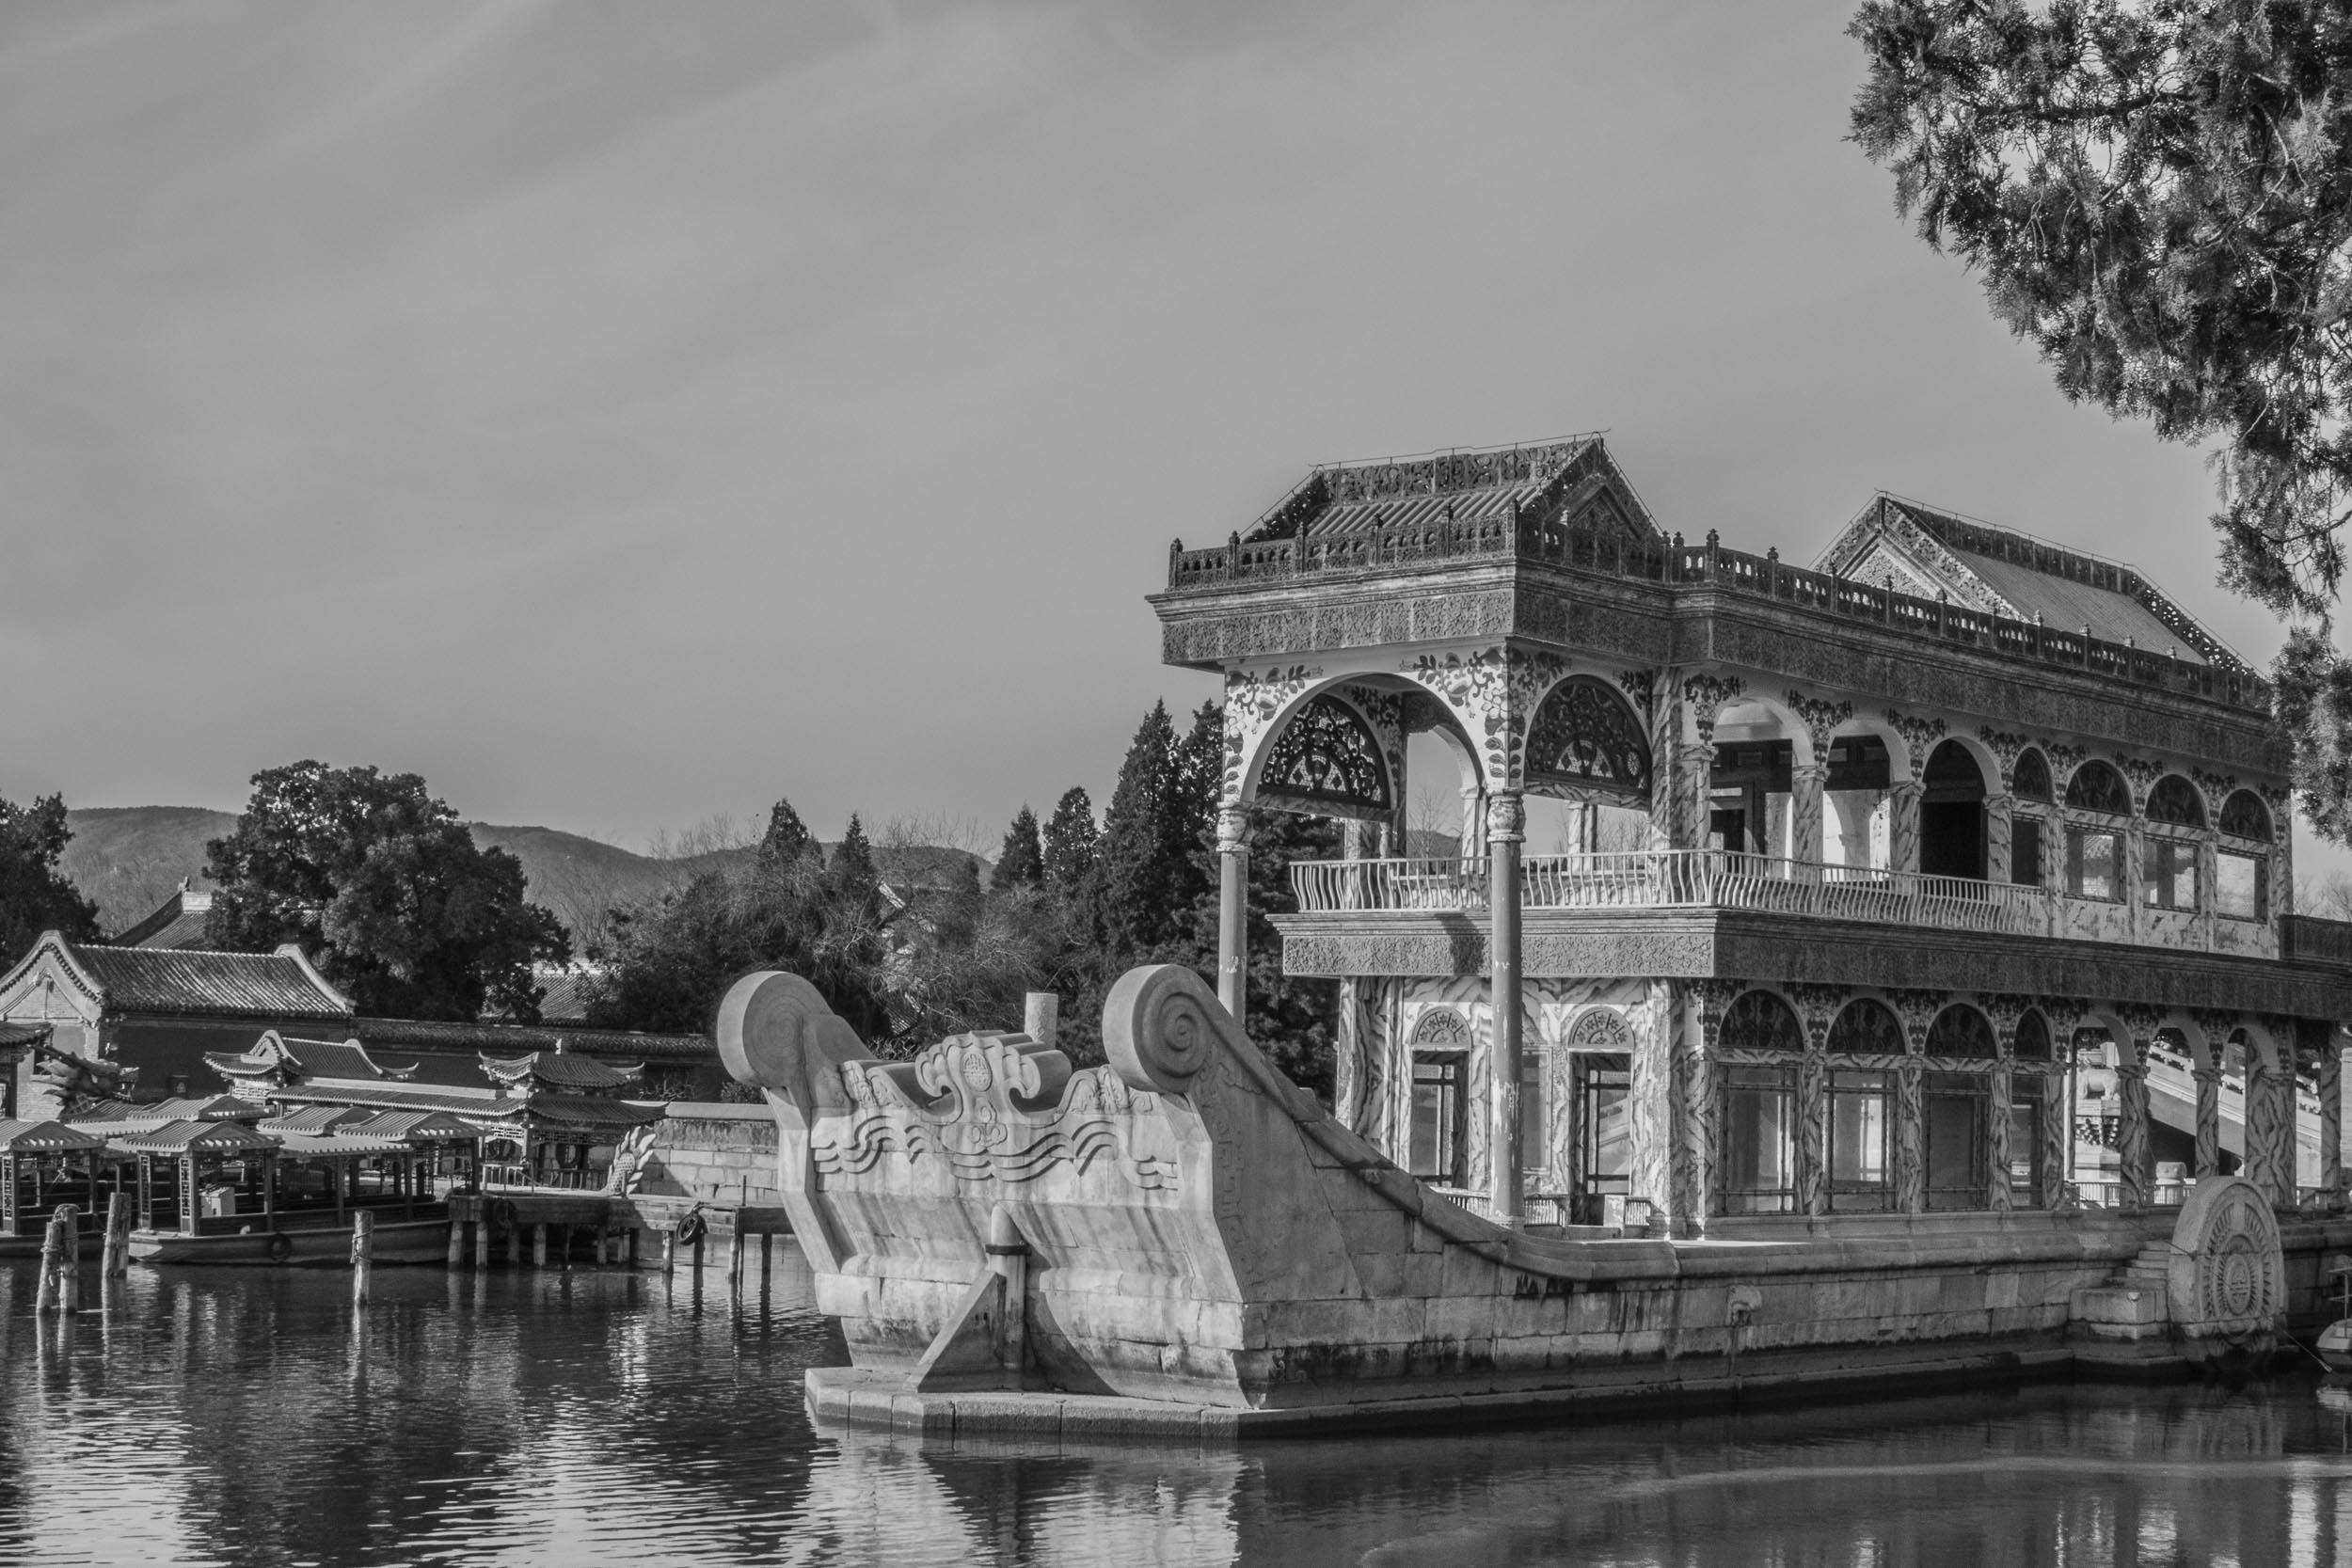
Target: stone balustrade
1725, 879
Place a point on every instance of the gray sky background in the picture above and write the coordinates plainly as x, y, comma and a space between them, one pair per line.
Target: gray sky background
622, 413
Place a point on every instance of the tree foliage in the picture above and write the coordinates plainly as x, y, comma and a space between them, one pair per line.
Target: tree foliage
1069, 841
35, 895
1022, 860
2158, 194
787, 838
385, 885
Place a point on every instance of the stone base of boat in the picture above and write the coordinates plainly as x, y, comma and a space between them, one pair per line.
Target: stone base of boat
849, 1398
1183, 1244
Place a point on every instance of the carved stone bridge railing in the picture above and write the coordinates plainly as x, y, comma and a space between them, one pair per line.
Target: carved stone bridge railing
1612, 552
1723, 879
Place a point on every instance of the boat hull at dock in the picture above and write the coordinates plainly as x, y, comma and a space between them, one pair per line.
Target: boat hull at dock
414, 1241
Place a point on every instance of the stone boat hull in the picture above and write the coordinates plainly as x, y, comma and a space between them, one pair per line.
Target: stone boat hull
1184, 1243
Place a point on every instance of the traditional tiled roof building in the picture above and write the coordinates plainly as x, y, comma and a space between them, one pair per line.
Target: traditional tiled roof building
1852, 858
148, 1012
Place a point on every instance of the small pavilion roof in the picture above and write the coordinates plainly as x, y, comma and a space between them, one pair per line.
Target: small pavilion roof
338, 1144
219, 1107
559, 1070
295, 1057
1571, 480
46, 1137
575, 1110
415, 1127
313, 1119
172, 981
194, 1137
16, 1035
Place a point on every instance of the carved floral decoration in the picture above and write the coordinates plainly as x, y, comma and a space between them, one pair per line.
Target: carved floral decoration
1584, 736
1326, 755
1920, 738
1708, 695
1820, 718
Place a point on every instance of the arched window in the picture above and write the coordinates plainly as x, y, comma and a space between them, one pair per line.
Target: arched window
1960, 1031
1442, 1028
2033, 1038
2176, 802
1867, 1028
1759, 1021
1327, 756
2244, 815
1585, 734
2030, 777
2095, 787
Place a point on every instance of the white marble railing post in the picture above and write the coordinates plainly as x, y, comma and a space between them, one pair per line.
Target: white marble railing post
1506, 824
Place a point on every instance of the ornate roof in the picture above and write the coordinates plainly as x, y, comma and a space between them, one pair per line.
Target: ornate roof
193, 1137
1573, 481
148, 980
178, 922
503, 1039
284, 1058
559, 1070
1912, 549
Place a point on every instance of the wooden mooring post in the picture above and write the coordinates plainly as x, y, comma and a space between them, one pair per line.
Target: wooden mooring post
456, 1245
45, 1295
538, 1246
68, 1223
734, 1257
362, 1256
481, 1242
114, 1257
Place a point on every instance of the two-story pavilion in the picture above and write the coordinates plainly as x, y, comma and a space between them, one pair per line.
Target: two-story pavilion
1860, 855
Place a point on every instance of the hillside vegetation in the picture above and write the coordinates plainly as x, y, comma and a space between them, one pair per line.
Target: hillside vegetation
127, 858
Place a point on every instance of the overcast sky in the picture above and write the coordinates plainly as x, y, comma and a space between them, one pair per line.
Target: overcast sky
622, 413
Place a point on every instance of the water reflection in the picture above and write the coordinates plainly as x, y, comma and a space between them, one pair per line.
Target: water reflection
595, 1416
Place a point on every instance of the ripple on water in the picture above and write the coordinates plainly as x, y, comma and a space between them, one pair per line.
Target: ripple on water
234, 1416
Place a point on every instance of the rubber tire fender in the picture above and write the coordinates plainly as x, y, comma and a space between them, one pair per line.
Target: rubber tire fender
693, 1228
500, 1211
281, 1246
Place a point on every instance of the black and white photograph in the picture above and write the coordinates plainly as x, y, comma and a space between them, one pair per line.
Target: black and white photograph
1237, 784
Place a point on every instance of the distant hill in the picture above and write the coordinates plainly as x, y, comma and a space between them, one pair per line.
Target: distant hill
129, 859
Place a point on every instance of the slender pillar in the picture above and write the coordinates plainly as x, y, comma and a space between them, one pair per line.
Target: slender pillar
1819, 1013
2057, 1128
2331, 1076
2136, 1155
1997, 818
2262, 1122
1506, 822
1232, 930
1996, 1153
2135, 867
1917, 1010
1696, 1105
1695, 763
1649, 1100
1349, 1049
1808, 782
2208, 1155
1903, 829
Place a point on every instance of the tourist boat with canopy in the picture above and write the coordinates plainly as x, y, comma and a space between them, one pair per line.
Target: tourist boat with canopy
45, 1165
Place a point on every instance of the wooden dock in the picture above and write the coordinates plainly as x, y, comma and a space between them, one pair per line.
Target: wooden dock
540, 1228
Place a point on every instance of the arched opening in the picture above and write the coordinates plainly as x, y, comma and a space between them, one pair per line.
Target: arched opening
1955, 1108
2176, 827
1327, 760
2031, 798
1600, 1058
1951, 814
2241, 884
1749, 783
1588, 751
1858, 827
1758, 1163
1864, 1038
2095, 846
2028, 1102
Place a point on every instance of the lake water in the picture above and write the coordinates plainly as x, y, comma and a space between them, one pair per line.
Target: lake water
234, 1417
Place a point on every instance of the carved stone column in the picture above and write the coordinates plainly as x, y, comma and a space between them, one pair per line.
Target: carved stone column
1917, 1010
1695, 763
2137, 1153
1665, 780
1903, 828
1350, 1052
2208, 1156
1810, 783
1649, 1100
1232, 929
1818, 1007
1563, 1132
1998, 815
1506, 826
1696, 1102
2005, 1011
2135, 867
2263, 1125
2057, 1132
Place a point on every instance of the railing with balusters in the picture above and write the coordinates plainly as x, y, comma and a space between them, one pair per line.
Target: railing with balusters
1613, 553
1680, 879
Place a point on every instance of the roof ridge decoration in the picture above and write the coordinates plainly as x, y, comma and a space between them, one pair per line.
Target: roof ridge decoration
1894, 518
1572, 474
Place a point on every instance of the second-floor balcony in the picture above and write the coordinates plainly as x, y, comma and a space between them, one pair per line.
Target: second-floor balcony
1723, 879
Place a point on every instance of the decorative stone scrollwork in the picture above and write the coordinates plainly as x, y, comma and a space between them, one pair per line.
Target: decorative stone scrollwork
1601, 1028
2006, 748
2227, 1280
1820, 718
1585, 735
1706, 696
2218, 788
1253, 700
1232, 830
2142, 772
1920, 738
2063, 761
1640, 690
1156, 1030
1506, 816
1326, 755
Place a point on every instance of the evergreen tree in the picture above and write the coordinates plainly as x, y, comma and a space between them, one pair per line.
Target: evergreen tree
1147, 871
1022, 862
1069, 843
787, 838
851, 868
35, 896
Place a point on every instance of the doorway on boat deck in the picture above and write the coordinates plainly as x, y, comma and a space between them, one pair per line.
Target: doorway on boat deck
1439, 1146
1951, 815
1604, 1152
